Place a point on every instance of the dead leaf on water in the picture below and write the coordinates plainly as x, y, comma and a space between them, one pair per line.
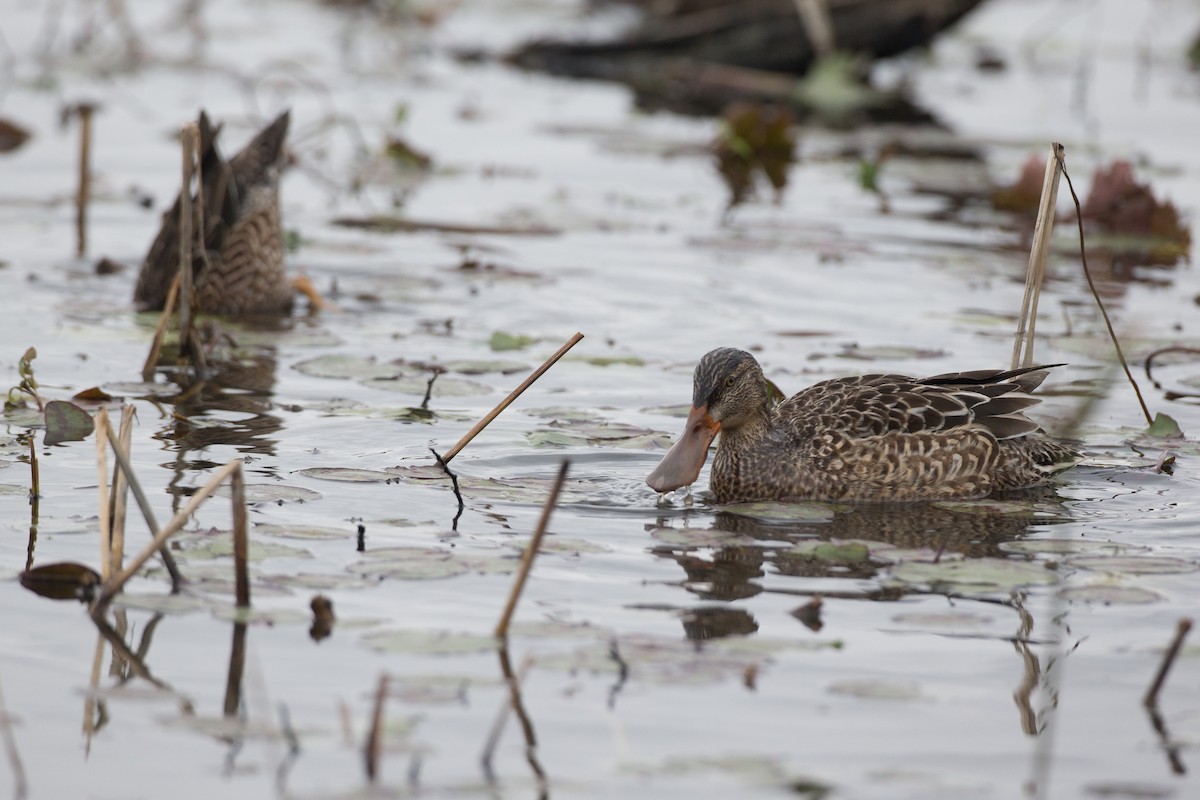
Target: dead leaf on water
66, 422
345, 474
64, 580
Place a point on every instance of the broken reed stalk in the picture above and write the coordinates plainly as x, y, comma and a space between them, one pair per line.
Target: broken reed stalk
119, 497
1087, 273
160, 331
513, 395
817, 26
531, 551
237, 669
1181, 632
241, 539
117, 582
101, 424
1035, 274
83, 194
35, 478
497, 730
187, 137
374, 745
122, 456
21, 788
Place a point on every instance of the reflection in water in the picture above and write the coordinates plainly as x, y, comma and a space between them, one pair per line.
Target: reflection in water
713, 623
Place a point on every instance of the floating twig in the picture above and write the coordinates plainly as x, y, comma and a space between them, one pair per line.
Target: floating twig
1181, 632
1112, 334
1161, 352
102, 470
1036, 272
497, 729
531, 551
454, 482
374, 744
429, 389
513, 395
117, 582
143, 504
21, 787
1168, 744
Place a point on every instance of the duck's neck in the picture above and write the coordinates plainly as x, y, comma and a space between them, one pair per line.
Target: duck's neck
746, 435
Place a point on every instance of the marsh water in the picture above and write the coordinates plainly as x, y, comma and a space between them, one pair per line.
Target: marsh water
978, 649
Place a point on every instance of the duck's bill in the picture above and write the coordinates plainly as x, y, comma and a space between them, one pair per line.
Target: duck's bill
681, 465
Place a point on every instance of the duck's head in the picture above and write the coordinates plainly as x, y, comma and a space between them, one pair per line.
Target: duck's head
728, 389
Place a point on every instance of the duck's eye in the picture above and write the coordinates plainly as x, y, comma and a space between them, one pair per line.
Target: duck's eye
729, 382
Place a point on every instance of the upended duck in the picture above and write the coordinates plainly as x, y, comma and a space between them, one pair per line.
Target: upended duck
872, 438
240, 270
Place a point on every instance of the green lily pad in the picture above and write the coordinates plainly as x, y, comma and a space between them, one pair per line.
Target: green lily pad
12, 488
301, 531
346, 366
992, 507
490, 565
702, 537
975, 574
565, 433
502, 341
168, 603
1164, 427
269, 616
877, 689
354, 408
429, 643
66, 422
565, 414
771, 511
273, 493
220, 545
442, 387
1109, 594
484, 367
608, 361
562, 545
316, 581
1060, 547
410, 563
346, 474
1134, 565
833, 552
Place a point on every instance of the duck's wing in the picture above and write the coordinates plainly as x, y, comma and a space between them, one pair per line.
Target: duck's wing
875, 405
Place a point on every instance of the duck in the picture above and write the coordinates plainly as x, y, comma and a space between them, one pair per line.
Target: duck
241, 269
867, 438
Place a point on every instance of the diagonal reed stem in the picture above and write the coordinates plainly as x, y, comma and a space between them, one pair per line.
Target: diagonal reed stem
1035, 273
513, 395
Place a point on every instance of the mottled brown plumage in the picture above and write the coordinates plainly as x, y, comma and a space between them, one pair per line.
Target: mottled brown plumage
241, 268
867, 438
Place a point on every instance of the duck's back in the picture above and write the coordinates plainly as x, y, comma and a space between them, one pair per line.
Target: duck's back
895, 438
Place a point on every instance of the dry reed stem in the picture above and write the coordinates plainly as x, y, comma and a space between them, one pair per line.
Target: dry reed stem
119, 498
497, 729
160, 331
1087, 273
241, 541
237, 669
531, 551
374, 745
84, 192
1036, 271
188, 137
101, 424
122, 456
89, 702
35, 478
1181, 631
21, 788
117, 582
513, 395
817, 26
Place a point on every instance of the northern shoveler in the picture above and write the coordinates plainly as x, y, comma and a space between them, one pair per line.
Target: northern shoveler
240, 270
869, 438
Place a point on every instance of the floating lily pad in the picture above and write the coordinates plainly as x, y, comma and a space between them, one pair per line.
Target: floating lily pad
608, 361
410, 563
429, 643
992, 507
565, 414
301, 531
1069, 546
316, 581
1164, 427
943, 619
502, 341
702, 537
833, 552
563, 545
220, 545
484, 367
66, 422
770, 511
354, 408
11, 488
442, 387
566, 433
1109, 594
429, 689
346, 474
490, 565
269, 616
888, 353
975, 574
558, 629
273, 493
168, 603
131, 389
1134, 565
346, 366
877, 689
